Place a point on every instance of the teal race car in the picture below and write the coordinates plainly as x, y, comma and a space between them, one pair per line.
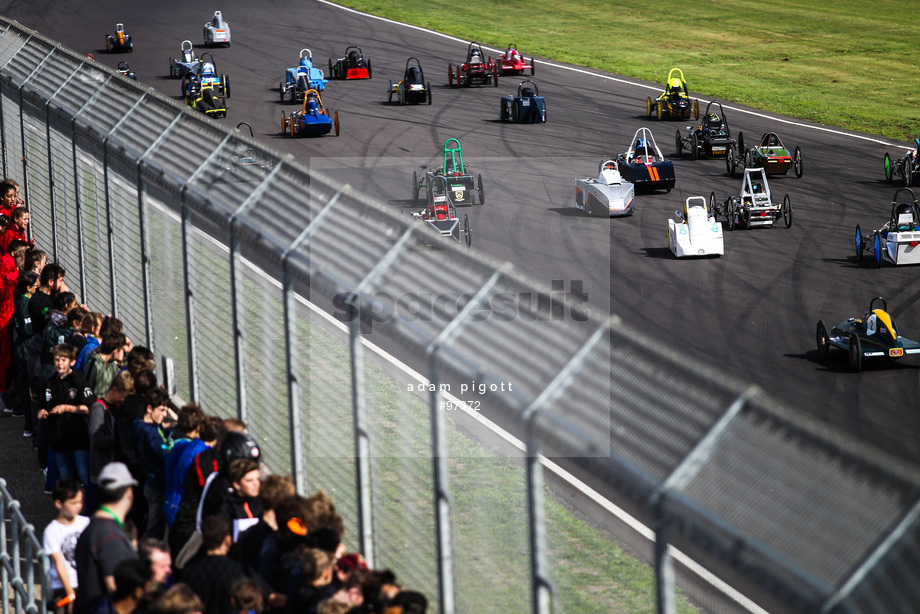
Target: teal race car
874, 335
769, 154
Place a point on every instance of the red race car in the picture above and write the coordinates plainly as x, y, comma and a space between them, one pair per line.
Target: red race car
475, 71
513, 62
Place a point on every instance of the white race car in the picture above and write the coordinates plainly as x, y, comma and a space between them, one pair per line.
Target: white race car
608, 195
217, 31
697, 233
898, 241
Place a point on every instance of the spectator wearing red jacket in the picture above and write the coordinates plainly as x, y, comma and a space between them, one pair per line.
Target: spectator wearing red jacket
16, 230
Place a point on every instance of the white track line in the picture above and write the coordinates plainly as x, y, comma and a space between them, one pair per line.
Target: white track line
626, 81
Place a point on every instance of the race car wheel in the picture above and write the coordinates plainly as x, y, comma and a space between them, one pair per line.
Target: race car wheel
482, 194
696, 109
293, 123
713, 206
283, 124
466, 230
369, 74
821, 339
787, 211
678, 143
659, 111
401, 95
414, 185
731, 160
184, 86
694, 147
331, 74
495, 75
390, 90
533, 66
281, 89
648, 107
797, 163
748, 159
877, 248
450, 75
859, 244
741, 141
855, 353
225, 85
428, 92
730, 211
908, 173
335, 122
887, 168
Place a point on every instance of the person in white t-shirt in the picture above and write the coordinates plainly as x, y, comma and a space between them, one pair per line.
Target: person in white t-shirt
60, 541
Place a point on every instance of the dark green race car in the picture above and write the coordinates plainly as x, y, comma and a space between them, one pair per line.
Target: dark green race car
873, 335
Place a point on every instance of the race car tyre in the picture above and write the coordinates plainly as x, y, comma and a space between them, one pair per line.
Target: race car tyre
401, 95
184, 86
797, 163
495, 74
694, 147
428, 92
887, 168
331, 74
748, 159
283, 124
696, 109
450, 75
335, 121
855, 353
877, 248
482, 194
713, 206
787, 211
533, 66
648, 107
225, 85
369, 74
390, 90
741, 141
731, 160
859, 244
281, 89
678, 143
414, 185
731, 211
822, 340
293, 123
466, 230
908, 173
659, 111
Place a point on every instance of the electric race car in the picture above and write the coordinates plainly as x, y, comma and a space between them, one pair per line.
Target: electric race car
186, 64
352, 66
512, 62
755, 206
205, 74
528, 107
711, 139
644, 165
674, 102
905, 167
697, 233
119, 42
460, 183
311, 120
873, 335
125, 71
609, 195
206, 99
441, 214
475, 71
770, 154
413, 89
302, 78
217, 31
898, 241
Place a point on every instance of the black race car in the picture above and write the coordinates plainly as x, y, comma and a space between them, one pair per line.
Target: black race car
644, 166
352, 66
711, 139
873, 335
413, 89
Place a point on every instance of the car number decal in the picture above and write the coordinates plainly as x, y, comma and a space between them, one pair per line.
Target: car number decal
871, 324
896, 352
682, 229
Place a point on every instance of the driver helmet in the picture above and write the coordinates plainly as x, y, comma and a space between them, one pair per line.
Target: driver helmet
475, 57
238, 445
353, 58
713, 120
304, 62
640, 144
207, 69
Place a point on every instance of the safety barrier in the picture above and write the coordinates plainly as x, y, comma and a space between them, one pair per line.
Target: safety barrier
20, 552
443, 414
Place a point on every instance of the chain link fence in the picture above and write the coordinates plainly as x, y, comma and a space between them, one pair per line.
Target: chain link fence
471, 428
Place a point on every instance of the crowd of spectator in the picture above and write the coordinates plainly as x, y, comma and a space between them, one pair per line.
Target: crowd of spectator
160, 510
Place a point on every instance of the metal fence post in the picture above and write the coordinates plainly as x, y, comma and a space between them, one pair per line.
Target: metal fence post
191, 322
664, 562
110, 227
78, 203
145, 257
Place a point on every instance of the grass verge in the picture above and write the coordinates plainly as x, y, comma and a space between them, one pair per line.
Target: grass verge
846, 65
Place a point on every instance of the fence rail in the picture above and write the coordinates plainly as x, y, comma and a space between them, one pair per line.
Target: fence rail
20, 551
231, 263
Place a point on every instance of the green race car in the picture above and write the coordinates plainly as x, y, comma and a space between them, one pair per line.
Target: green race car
769, 154
873, 335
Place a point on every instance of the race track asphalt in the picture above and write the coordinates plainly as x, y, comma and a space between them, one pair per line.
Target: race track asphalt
751, 314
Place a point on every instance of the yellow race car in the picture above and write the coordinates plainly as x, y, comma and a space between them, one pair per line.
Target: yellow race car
674, 102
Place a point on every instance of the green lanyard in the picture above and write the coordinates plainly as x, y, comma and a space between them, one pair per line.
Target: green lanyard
113, 515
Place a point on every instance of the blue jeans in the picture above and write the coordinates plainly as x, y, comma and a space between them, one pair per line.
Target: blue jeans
73, 464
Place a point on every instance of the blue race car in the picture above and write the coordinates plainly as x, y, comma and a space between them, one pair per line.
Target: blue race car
311, 120
528, 107
302, 78
119, 42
